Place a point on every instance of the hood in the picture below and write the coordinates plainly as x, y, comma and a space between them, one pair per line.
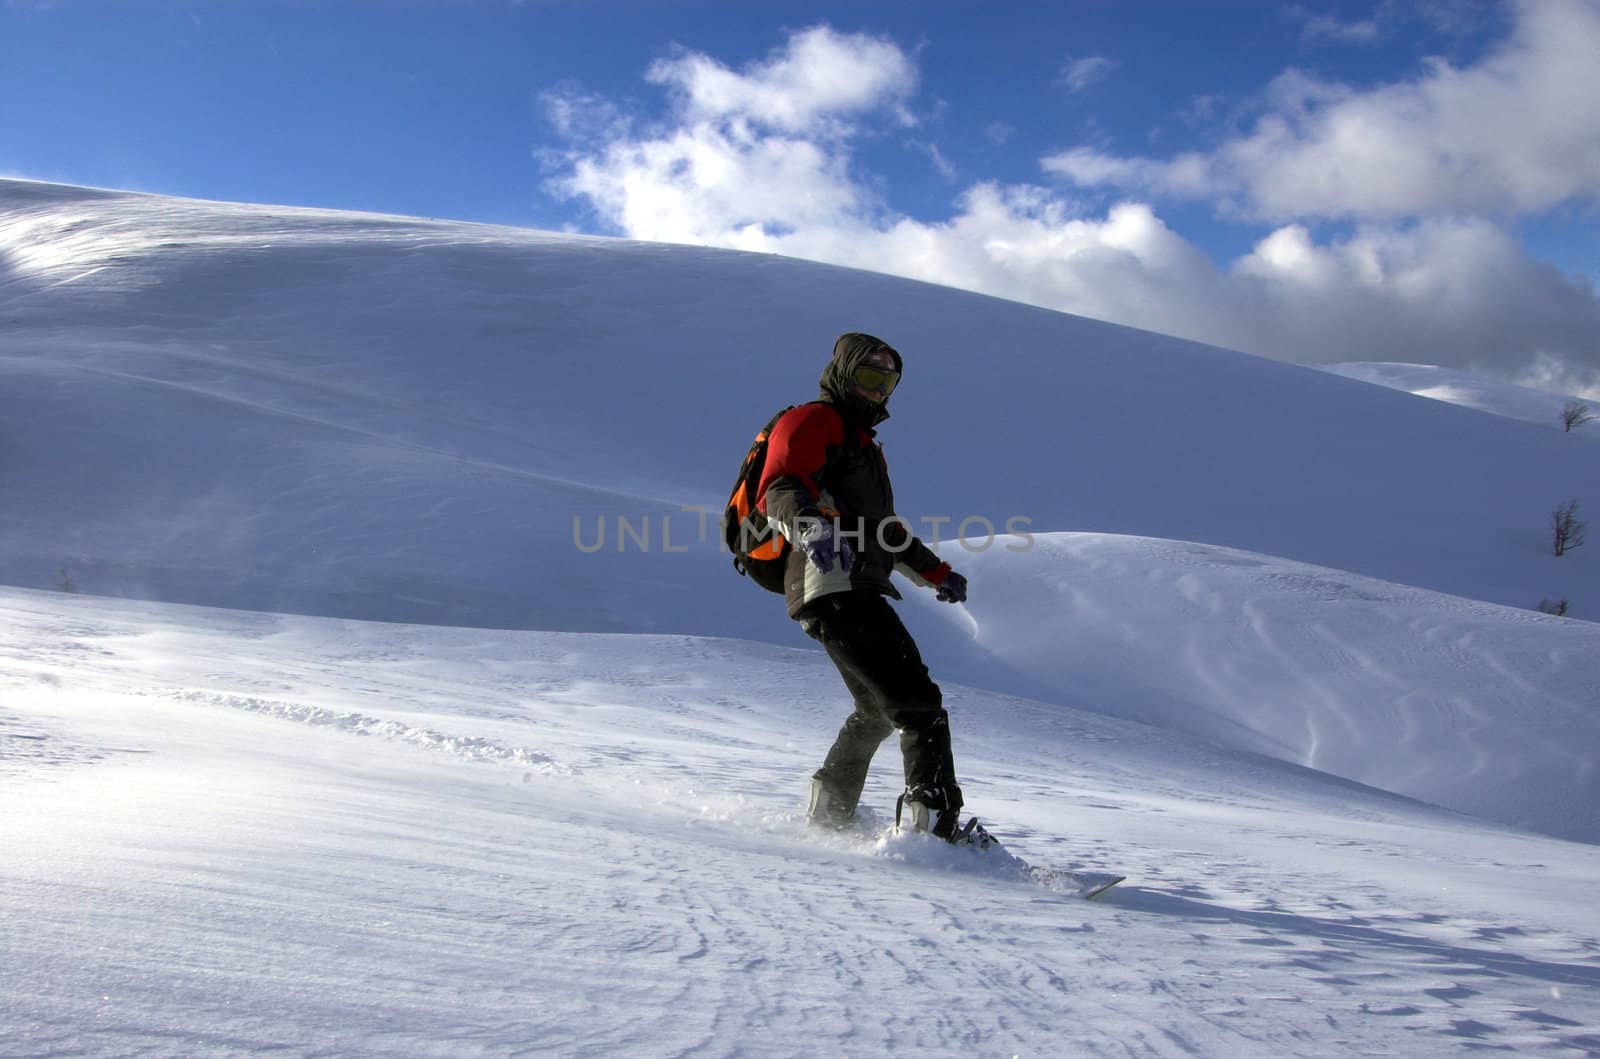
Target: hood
837, 386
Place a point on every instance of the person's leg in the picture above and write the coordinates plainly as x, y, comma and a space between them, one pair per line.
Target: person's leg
836, 786
844, 771
881, 665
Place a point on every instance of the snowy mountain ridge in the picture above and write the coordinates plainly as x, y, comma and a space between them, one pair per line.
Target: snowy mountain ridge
1475, 391
331, 360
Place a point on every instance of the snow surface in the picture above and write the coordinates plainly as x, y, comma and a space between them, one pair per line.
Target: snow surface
557, 811
233, 833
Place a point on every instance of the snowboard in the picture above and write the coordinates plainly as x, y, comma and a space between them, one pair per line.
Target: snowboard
987, 851
1084, 884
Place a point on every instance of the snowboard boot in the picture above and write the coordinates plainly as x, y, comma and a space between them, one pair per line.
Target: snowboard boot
927, 811
824, 809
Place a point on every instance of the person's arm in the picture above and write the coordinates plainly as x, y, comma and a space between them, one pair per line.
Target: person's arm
918, 563
797, 451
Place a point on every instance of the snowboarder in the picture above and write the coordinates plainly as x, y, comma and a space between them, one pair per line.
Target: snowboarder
826, 488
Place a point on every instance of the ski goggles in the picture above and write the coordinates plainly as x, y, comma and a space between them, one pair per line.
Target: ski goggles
875, 380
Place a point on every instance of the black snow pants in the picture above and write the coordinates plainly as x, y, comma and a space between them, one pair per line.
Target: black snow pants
884, 672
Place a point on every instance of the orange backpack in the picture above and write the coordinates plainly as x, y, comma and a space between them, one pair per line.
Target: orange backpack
759, 550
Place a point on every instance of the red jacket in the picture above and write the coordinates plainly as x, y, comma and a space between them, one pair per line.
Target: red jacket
822, 464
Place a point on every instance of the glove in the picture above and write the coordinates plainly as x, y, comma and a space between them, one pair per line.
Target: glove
953, 589
823, 546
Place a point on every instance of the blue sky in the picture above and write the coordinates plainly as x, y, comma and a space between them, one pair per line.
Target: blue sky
1318, 181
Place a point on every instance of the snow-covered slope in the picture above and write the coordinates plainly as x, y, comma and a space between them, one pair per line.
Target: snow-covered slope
232, 833
381, 417
1471, 391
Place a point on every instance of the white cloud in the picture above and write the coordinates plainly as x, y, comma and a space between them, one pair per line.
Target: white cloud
1517, 132
999, 133
1319, 29
821, 76
717, 187
1079, 74
748, 153
944, 166
1188, 176
1459, 292
764, 159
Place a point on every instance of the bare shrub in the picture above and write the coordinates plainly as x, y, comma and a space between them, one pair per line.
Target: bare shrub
1565, 527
